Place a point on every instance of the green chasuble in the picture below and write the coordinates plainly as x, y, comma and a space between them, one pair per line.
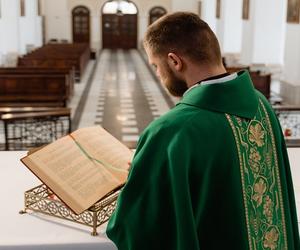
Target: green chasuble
212, 173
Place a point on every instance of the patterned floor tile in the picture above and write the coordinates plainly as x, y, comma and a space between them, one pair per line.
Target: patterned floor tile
122, 99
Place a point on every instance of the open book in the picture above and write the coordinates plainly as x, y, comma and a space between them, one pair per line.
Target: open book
82, 167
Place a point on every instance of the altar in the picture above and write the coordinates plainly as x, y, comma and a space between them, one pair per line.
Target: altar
36, 231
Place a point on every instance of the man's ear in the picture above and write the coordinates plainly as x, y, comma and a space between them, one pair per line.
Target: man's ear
175, 62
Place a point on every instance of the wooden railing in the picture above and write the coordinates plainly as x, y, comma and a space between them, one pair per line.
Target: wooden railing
23, 89
289, 118
30, 128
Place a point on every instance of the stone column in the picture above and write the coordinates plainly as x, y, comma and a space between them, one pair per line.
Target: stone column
30, 27
229, 26
9, 28
290, 81
264, 32
208, 13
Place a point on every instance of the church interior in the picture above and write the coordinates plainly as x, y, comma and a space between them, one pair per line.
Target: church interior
70, 64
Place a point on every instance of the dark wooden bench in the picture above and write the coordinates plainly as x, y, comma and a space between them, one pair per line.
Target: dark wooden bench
58, 56
15, 110
237, 68
68, 72
39, 89
262, 82
31, 104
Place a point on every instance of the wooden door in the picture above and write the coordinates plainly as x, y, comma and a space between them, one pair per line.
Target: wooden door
81, 25
119, 31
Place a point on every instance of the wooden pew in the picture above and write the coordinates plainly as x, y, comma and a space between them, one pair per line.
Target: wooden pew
58, 56
237, 68
27, 109
261, 81
31, 104
34, 90
69, 73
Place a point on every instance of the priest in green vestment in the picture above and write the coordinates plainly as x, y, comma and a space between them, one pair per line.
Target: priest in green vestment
212, 173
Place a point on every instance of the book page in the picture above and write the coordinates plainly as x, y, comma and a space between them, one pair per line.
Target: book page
70, 174
102, 146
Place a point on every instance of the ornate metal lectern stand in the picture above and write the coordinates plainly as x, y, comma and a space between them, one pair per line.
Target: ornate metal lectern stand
41, 199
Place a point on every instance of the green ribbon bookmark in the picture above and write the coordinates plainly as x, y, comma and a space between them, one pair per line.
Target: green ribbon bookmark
94, 159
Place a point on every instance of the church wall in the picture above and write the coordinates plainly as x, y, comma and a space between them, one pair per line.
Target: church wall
229, 26
11, 43
59, 18
270, 27
39, 31
27, 33
292, 54
96, 31
144, 8
208, 13
247, 43
220, 28
290, 87
19, 31
31, 8
232, 26
30, 27
264, 32
247, 37
186, 5
30, 33
10, 26
1, 40
1, 46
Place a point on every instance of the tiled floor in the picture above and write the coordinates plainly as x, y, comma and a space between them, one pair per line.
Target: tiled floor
123, 98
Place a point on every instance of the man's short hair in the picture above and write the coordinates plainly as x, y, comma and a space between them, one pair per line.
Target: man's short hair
186, 34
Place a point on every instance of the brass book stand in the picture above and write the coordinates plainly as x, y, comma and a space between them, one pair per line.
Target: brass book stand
41, 199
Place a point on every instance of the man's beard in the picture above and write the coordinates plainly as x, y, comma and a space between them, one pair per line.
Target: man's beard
175, 85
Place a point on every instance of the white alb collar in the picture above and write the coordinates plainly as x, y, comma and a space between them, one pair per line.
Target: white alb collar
214, 81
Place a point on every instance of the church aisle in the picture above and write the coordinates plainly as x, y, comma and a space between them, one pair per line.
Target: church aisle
123, 98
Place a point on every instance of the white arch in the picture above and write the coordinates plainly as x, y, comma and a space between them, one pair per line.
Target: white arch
119, 6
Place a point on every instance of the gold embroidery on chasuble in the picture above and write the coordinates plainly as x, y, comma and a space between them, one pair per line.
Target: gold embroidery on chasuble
260, 179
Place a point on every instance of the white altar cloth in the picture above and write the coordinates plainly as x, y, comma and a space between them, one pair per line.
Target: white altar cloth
36, 231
